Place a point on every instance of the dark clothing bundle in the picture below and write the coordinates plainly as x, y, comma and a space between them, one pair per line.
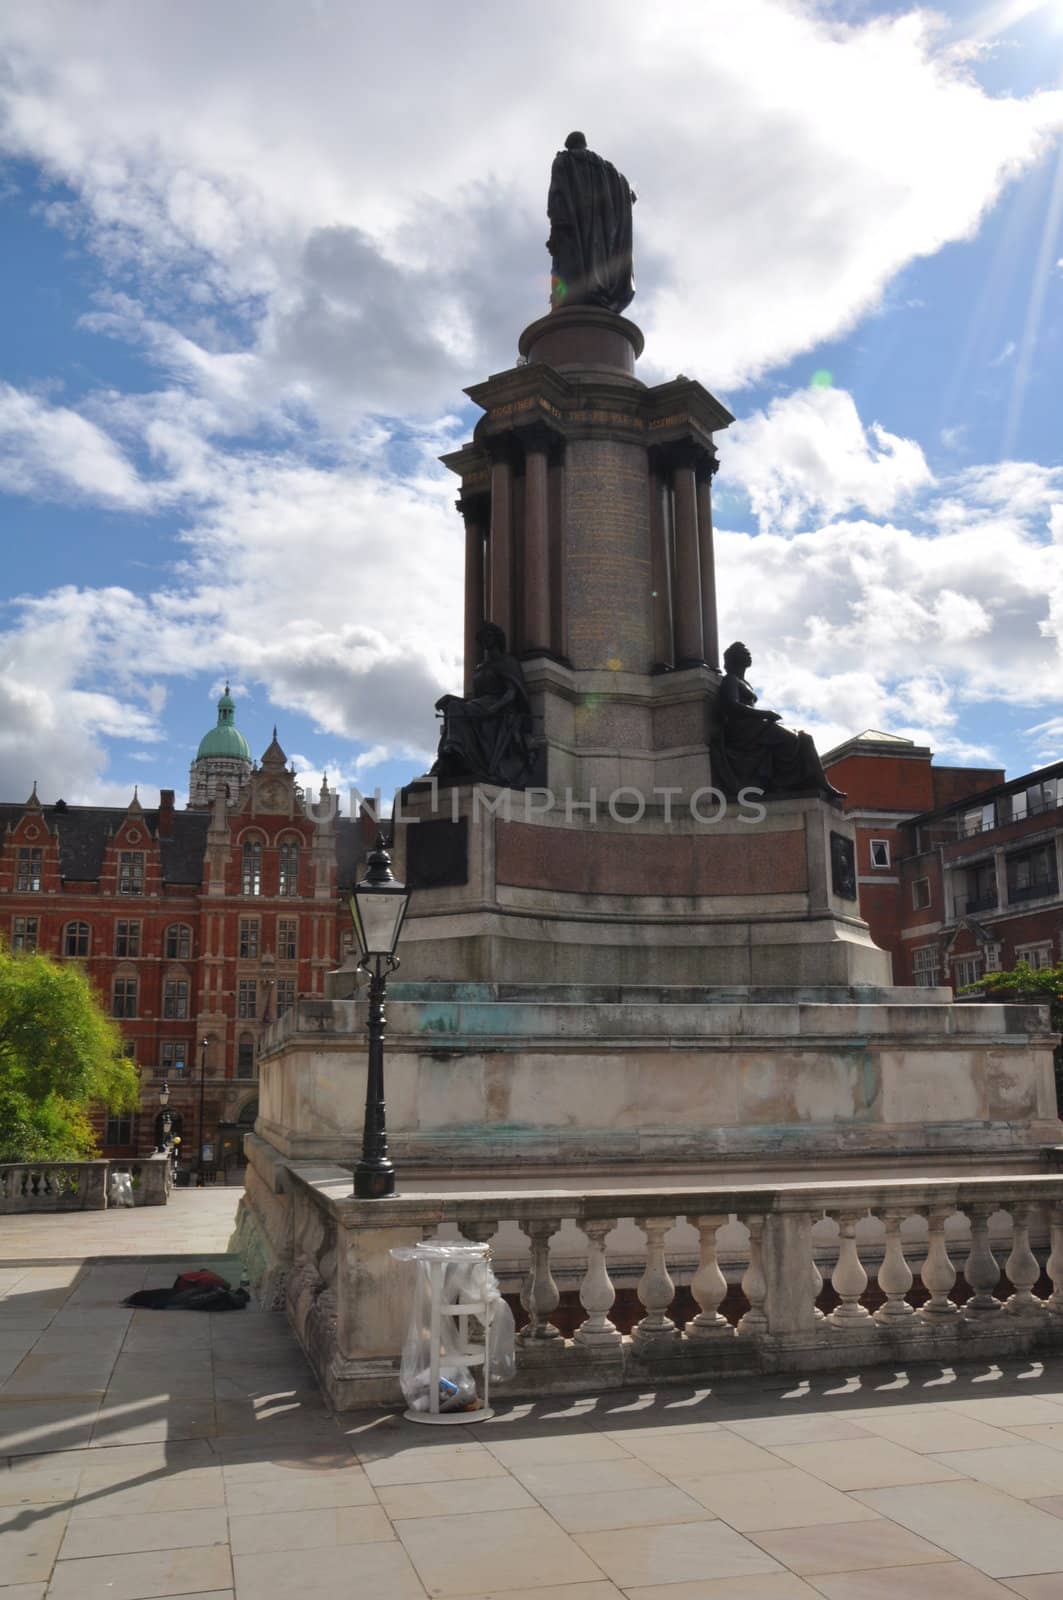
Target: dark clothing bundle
192, 1291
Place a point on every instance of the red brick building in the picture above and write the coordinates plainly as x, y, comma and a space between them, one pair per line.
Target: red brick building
959, 870
197, 927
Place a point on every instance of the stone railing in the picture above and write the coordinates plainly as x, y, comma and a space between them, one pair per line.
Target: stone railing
79, 1185
799, 1277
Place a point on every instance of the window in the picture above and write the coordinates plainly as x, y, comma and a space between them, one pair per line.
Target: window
285, 995
126, 939
926, 966
978, 820
76, 939
178, 942
252, 874
1032, 875
289, 873
880, 852
921, 893
174, 1060
967, 969
130, 872
287, 937
28, 873
129, 1049
992, 957
1035, 955
245, 1057
175, 997
124, 999
24, 933
119, 1129
249, 938
976, 889
247, 998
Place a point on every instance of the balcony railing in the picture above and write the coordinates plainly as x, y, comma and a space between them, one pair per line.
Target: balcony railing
79, 1185
802, 1276
1042, 890
966, 905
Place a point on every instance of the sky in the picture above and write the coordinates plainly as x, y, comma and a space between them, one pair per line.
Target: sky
252, 254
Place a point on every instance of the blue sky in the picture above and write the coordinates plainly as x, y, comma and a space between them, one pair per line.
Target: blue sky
242, 294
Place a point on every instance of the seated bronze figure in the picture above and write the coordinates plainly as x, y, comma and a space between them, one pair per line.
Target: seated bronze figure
487, 738
753, 750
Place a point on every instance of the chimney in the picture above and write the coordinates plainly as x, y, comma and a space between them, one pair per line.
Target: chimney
165, 828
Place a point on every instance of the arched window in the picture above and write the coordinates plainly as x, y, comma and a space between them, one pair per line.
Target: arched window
245, 1056
76, 939
252, 874
289, 871
178, 942
247, 1115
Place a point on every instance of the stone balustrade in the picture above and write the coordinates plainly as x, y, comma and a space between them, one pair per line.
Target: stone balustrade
79, 1185
828, 1274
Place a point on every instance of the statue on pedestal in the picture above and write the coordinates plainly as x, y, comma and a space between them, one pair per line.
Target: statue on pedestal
589, 206
753, 749
487, 737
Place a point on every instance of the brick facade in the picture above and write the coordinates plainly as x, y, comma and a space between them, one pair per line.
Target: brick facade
959, 870
196, 924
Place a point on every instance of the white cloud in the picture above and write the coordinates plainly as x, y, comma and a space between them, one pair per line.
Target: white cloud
52, 452
809, 453
375, 260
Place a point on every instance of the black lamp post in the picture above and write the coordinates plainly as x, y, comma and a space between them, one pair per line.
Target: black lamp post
167, 1125
202, 1091
378, 908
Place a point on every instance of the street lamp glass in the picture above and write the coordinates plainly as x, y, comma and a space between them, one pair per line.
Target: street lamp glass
164, 1095
378, 906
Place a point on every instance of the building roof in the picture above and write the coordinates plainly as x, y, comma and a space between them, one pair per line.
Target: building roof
873, 742
225, 739
981, 797
83, 833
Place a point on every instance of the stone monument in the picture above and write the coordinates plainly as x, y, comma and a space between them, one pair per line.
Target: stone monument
634, 942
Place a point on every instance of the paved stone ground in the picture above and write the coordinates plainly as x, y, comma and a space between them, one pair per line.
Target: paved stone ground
155, 1454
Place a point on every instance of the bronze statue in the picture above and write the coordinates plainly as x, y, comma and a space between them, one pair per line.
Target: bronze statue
487, 738
589, 206
753, 749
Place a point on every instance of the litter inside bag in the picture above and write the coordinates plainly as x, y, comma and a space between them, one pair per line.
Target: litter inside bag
467, 1277
121, 1189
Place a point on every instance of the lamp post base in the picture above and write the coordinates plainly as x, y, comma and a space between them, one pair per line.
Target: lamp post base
374, 1183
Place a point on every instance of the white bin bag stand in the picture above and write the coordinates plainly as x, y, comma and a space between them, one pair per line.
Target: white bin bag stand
459, 1323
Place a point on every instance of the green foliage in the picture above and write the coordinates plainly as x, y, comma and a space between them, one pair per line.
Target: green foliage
1024, 982
59, 1053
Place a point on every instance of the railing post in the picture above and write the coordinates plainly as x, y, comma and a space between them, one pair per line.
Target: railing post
656, 1291
849, 1278
1022, 1266
597, 1291
791, 1278
981, 1269
754, 1283
541, 1295
895, 1275
708, 1285
938, 1274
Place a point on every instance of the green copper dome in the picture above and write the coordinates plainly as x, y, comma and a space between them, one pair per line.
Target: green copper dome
225, 739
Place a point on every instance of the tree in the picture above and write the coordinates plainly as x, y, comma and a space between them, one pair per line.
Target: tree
59, 1053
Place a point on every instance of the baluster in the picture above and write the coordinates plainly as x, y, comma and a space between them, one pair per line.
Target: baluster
894, 1275
982, 1270
656, 1291
1022, 1266
848, 1278
597, 1291
817, 1290
1055, 1262
939, 1274
541, 1294
708, 1285
754, 1283
478, 1232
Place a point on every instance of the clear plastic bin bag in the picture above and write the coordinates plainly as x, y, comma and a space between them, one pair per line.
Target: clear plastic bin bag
121, 1189
467, 1277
